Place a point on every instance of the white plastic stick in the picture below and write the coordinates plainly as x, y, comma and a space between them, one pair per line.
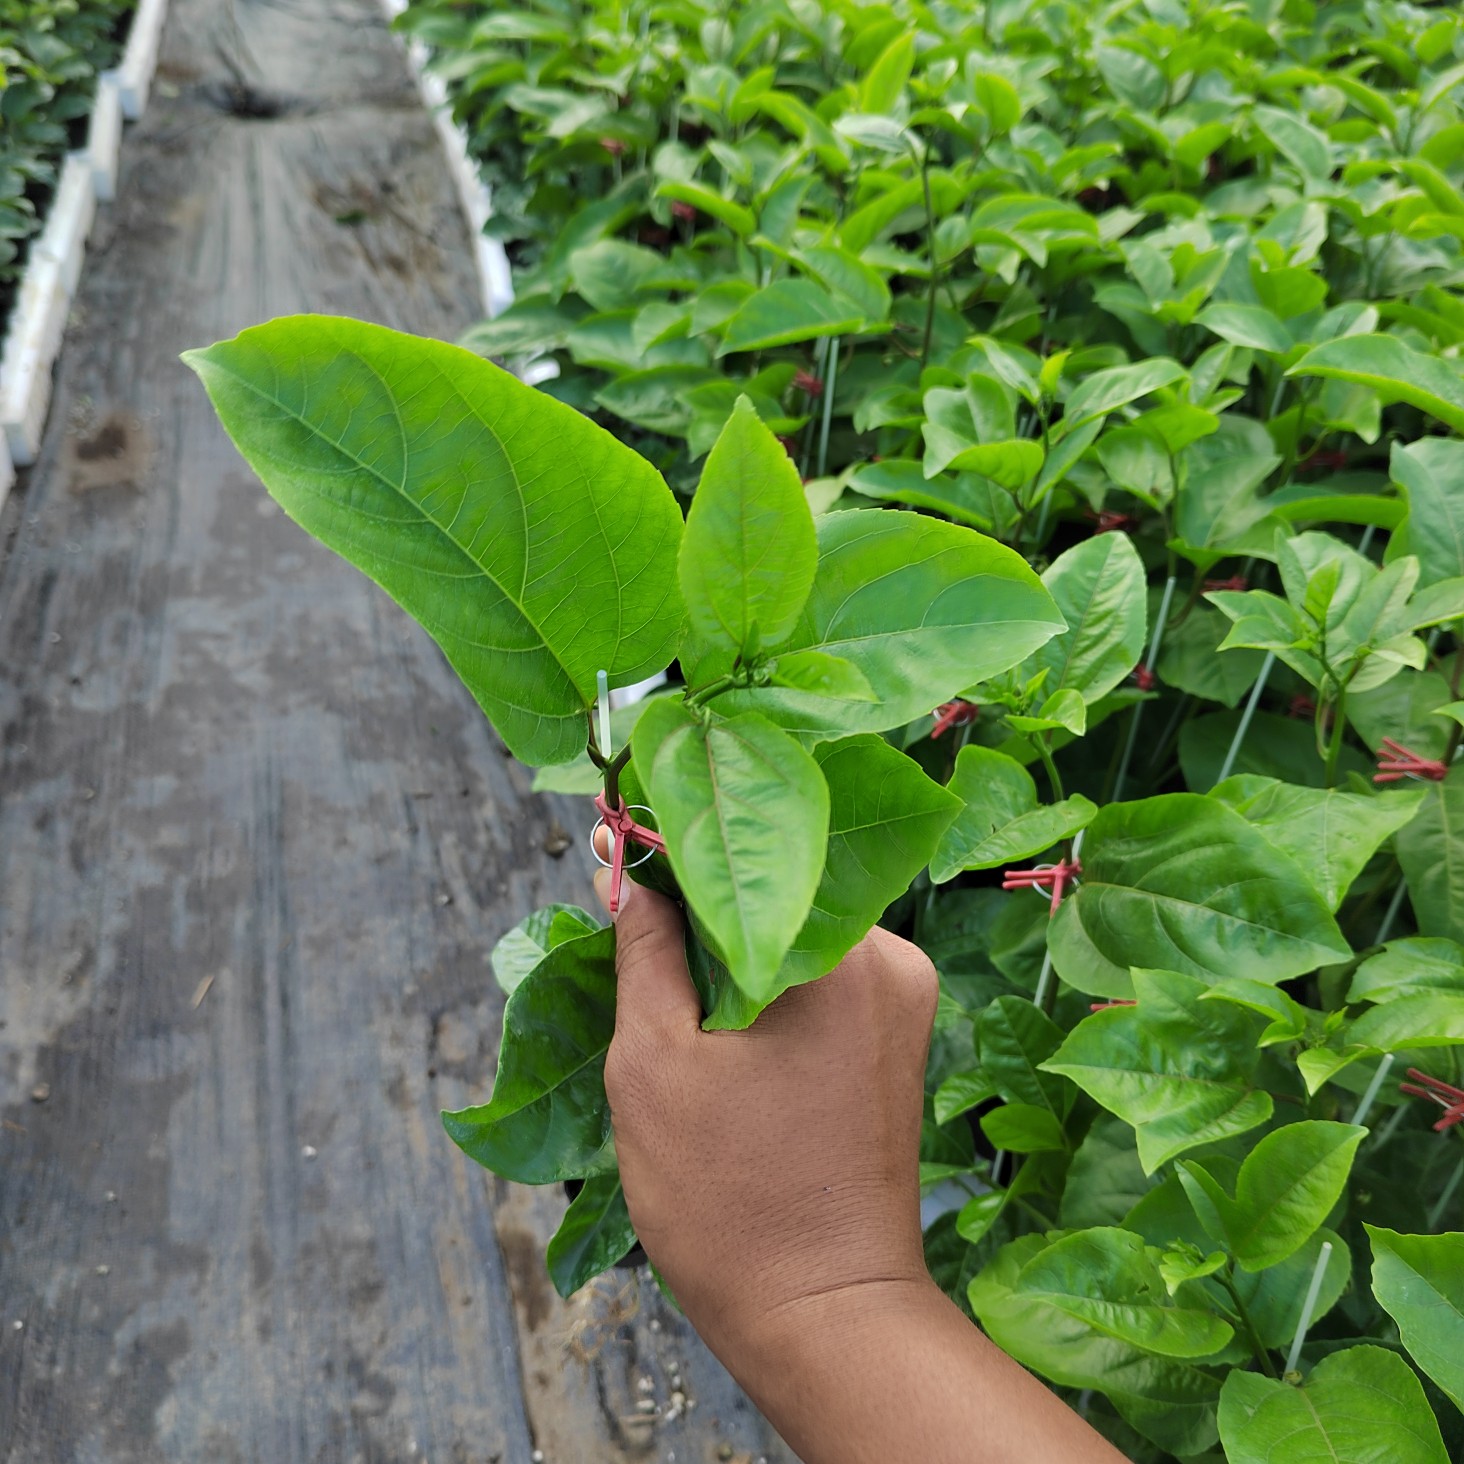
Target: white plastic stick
1245, 716
1391, 914
1379, 1077
831, 376
602, 687
1442, 1203
1309, 1306
1044, 979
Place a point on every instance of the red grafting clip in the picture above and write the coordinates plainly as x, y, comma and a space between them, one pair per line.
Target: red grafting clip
953, 714
1398, 763
1118, 1001
808, 383
1059, 876
622, 827
1109, 519
1301, 706
1446, 1095
1144, 678
1236, 582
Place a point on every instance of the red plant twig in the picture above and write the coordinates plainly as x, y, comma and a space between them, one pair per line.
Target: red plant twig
1446, 1095
1398, 762
1056, 877
1236, 582
622, 828
950, 714
1118, 1001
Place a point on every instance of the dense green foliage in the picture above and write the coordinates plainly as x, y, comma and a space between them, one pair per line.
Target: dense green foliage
50, 54
1159, 299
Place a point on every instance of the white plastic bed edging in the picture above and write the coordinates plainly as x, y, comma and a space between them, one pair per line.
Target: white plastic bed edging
474, 197
140, 59
104, 136
53, 268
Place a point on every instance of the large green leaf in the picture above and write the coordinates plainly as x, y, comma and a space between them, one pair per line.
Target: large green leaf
961, 434
1393, 369
1106, 391
923, 608
1431, 474
1276, 1296
785, 312
1180, 882
885, 818
1171, 1401
518, 952
749, 551
745, 814
1098, 585
476, 502
1014, 1040
1361, 1406
1190, 658
1109, 1280
1431, 850
1179, 1069
1285, 1190
1329, 833
548, 1119
594, 1234
1420, 1281
1000, 818
1408, 967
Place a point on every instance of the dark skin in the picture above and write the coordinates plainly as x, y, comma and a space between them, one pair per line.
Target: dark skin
772, 1176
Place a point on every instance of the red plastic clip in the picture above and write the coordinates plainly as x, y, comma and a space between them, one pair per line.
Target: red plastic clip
1055, 876
1446, 1095
622, 828
1301, 706
1109, 519
950, 714
1236, 582
1398, 763
806, 381
1144, 678
614, 146
1118, 1001
684, 211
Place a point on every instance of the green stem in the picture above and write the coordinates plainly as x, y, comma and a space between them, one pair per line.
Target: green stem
1248, 1326
934, 269
1045, 753
1339, 726
711, 689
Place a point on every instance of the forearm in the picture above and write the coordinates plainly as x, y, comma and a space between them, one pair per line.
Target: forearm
894, 1370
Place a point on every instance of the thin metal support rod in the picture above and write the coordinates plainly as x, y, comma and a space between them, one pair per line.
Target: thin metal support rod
1150, 661
1309, 1306
1245, 716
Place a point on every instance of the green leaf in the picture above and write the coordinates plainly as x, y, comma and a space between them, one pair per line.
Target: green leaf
1180, 882
1000, 820
1302, 143
962, 1091
885, 818
965, 497
1190, 659
962, 435
923, 608
886, 78
1361, 1404
1419, 1019
548, 1119
1170, 1400
1179, 1069
1098, 585
749, 551
951, 1260
1330, 834
1275, 1297
1409, 967
594, 1234
1285, 1190
1021, 1128
518, 952
745, 814
821, 674
1431, 475
742, 221
1106, 391
472, 500
1247, 325
785, 312
1110, 1280
1431, 851
1013, 1040
998, 100
1419, 1279
1395, 370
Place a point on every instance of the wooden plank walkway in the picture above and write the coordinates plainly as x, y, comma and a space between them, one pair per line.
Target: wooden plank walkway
255, 842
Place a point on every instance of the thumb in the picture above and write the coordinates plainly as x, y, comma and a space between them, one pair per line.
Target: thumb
654, 988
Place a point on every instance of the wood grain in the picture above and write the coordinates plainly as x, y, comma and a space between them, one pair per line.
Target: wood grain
255, 842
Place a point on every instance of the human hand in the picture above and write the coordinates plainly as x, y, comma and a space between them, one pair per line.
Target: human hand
770, 1171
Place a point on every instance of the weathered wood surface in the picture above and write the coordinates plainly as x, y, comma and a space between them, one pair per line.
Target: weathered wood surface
254, 844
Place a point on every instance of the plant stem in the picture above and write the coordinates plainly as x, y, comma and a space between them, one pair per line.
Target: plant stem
1155, 641
1246, 715
934, 269
1045, 753
1339, 726
711, 689
1248, 1326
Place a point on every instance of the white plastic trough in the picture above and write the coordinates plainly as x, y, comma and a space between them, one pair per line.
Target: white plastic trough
38, 321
